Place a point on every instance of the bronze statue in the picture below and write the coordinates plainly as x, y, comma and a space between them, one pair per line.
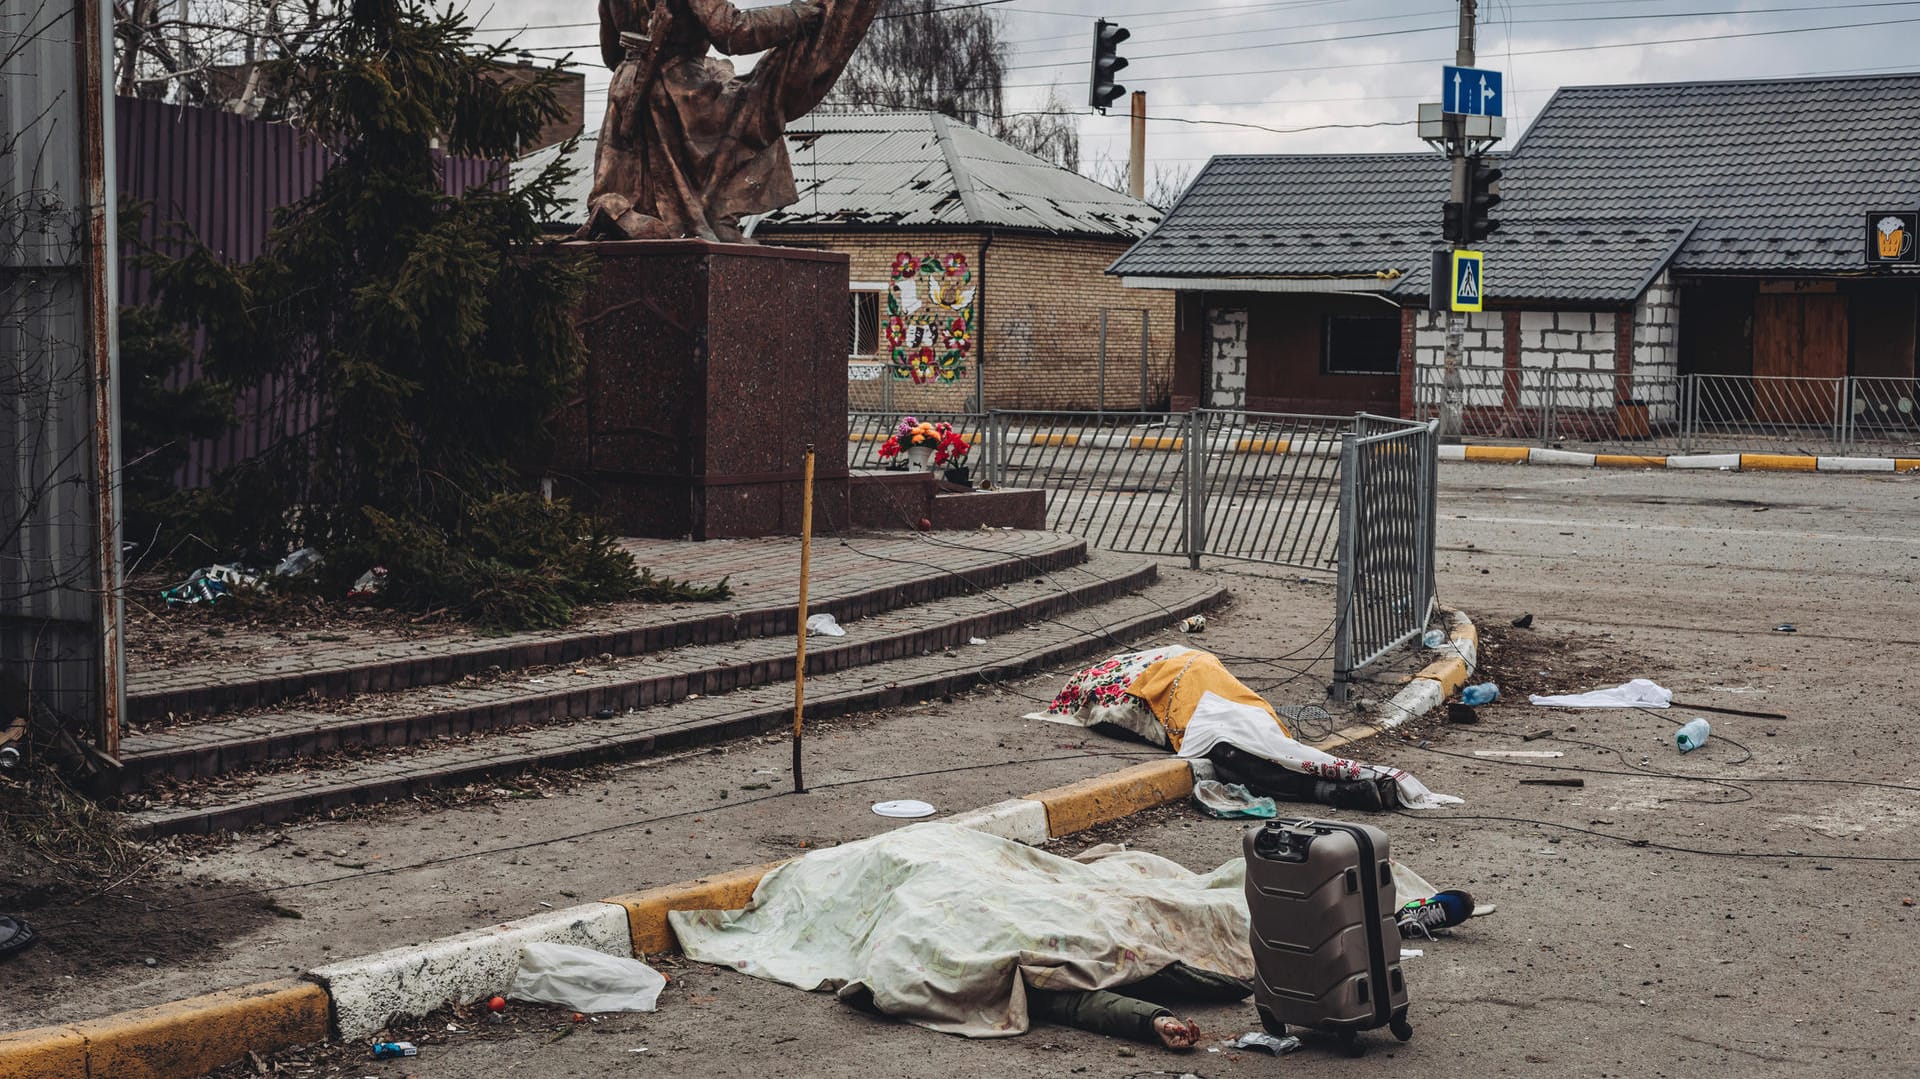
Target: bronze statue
688, 147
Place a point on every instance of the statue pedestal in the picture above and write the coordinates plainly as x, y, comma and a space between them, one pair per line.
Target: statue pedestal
710, 367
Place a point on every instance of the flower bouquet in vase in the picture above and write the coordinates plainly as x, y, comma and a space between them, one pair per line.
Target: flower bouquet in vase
951, 453
917, 439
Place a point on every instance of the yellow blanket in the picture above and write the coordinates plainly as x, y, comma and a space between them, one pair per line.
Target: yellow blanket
1173, 686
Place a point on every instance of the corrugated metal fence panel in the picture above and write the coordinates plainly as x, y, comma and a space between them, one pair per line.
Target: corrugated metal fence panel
222, 177
50, 636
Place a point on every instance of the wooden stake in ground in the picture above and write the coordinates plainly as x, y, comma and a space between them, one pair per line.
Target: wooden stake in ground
800, 660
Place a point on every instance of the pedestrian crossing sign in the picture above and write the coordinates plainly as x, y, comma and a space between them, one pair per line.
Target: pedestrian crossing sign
1469, 283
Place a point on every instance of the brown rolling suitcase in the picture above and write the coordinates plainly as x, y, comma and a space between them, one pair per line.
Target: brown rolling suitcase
1325, 946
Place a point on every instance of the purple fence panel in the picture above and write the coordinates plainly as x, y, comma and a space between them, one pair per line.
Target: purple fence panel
221, 177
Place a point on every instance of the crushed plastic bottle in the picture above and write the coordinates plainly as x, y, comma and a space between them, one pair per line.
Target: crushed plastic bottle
1484, 693
1434, 638
1693, 735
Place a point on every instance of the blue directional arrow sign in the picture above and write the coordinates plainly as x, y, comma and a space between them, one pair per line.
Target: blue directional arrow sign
1470, 91
1469, 281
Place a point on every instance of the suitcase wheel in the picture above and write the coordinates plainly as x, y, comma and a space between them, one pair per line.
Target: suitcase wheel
1402, 1029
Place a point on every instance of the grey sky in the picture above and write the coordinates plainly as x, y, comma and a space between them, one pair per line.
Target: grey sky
1357, 62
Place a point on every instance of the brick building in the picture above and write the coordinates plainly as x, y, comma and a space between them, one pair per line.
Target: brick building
976, 269
1704, 248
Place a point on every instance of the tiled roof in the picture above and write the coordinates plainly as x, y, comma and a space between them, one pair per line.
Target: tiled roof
1742, 176
1779, 173
914, 170
921, 169
1298, 215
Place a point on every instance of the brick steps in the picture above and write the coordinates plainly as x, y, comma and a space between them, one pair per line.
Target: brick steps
269, 797
219, 746
846, 586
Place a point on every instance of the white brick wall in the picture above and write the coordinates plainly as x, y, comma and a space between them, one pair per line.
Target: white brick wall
1483, 349
1226, 372
1656, 349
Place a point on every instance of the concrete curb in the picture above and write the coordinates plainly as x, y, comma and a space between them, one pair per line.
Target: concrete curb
353, 998
1427, 690
1732, 462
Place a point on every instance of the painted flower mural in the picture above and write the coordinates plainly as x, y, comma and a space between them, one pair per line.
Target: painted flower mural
930, 317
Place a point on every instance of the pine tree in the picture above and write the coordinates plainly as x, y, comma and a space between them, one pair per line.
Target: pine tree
432, 331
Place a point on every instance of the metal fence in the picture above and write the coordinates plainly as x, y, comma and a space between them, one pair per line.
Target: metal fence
1327, 493
1388, 473
1601, 411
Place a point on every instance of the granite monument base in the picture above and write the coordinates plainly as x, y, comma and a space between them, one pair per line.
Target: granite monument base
710, 368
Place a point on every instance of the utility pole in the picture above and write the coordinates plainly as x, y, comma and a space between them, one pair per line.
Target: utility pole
1137, 148
1451, 424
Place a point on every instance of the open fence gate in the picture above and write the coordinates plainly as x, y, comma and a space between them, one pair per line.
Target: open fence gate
1351, 495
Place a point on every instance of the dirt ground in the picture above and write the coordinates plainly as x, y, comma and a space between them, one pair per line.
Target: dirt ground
1740, 909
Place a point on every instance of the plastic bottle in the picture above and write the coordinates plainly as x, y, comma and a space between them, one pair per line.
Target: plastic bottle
1692, 736
1434, 638
1484, 693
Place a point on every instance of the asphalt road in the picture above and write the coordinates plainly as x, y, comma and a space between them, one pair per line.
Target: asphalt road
1759, 930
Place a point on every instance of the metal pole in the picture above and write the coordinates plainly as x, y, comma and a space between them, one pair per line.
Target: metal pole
1451, 418
1196, 447
800, 629
1137, 148
1342, 688
1146, 325
1101, 405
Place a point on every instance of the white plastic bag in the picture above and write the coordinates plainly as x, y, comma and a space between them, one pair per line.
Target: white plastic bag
585, 980
824, 625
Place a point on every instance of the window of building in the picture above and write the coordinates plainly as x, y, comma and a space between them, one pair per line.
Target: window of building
866, 323
1360, 345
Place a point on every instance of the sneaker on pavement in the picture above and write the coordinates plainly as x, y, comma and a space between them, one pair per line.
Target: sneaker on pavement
1442, 910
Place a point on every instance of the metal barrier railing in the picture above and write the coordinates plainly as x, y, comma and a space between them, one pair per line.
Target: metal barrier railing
1603, 412
1119, 479
1388, 479
1271, 481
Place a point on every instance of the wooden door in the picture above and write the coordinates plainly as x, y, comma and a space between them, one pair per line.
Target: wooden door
1798, 337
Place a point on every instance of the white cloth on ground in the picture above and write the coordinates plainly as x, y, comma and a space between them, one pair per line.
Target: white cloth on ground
1638, 693
1217, 720
948, 927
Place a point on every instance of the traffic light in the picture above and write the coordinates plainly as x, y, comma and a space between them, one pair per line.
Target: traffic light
1103, 91
1483, 194
1453, 223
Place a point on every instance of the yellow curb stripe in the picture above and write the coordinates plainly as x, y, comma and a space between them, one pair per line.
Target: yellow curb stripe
1079, 806
1906, 464
175, 1040
1510, 454
1156, 442
1451, 673
1053, 440
1777, 462
43, 1053
647, 911
1466, 633
1262, 445
1628, 460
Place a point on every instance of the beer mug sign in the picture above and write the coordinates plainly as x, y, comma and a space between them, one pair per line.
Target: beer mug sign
1890, 237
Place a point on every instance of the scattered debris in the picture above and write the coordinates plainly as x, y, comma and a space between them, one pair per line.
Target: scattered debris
825, 625
1461, 713
17, 936
1484, 693
1525, 621
584, 979
1785, 627
1266, 1043
1692, 735
904, 808
394, 1050
1433, 638
1193, 624
976, 640
1518, 753
1639, 693
1571, 782
371, 583
1534, 736
1232, 800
